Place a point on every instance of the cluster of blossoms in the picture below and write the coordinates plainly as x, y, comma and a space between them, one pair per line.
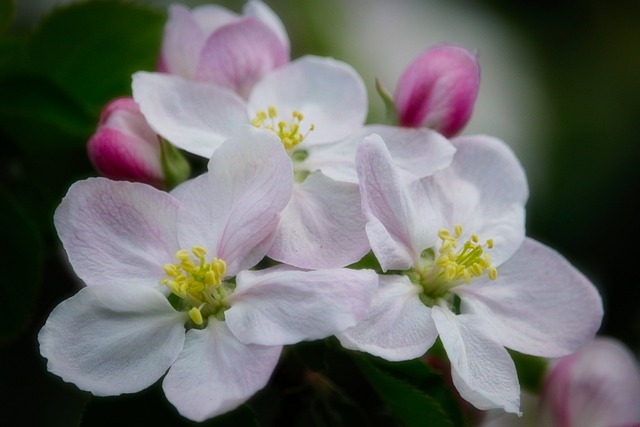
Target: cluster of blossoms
202, 281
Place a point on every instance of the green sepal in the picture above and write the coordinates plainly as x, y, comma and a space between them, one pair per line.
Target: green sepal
175, 166
390, 105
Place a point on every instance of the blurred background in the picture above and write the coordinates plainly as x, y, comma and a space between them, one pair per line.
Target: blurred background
560, 84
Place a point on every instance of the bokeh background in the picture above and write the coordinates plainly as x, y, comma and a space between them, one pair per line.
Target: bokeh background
560, 84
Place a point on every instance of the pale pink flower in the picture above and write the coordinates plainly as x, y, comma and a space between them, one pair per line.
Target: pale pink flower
157, 263
438, 89
459, 267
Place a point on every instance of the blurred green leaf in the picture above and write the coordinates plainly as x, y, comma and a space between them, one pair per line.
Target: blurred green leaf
39, 116
91, 48
531, 370
406, 398
22, 254
6, 14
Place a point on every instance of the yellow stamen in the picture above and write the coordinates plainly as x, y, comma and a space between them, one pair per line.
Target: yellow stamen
288, 132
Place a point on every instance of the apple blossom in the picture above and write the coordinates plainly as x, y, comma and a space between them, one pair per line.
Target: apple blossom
438, 89
124, 147
310, 103
213, 44
459, 267
157, 263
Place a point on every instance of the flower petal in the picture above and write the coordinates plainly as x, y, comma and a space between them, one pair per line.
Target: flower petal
181, 42
194, 116
216, 373
239, 54
281, 305
261, 11
398, 325
234, 209
481, 368
486, 190
117, 232
322, 227
396, 230
112, 339
329, 93
539, 304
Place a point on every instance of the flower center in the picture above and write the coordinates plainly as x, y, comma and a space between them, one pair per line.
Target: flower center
455, 264
288, 131
198, 284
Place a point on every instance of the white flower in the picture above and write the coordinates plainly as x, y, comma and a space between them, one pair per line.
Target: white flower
310, 103
460, 267
155, 263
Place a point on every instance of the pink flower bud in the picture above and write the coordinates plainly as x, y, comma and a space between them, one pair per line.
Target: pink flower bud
124, 147
599, 385
438, 89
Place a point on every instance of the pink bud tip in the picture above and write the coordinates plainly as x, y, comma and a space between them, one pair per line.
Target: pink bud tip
438, 89
124, 147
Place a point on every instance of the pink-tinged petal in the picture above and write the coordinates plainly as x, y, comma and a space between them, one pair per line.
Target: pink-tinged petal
182, 42
124, 147
329, 93
261, 11
396, 230
336, 161
112, 339
210, 17
481, 368
194, 116
438, 89
234, 209
216, 373
398, 325
421, 152
599, 385
117, 232
486, 189
237, 55
322, 227
282, 305
539, 304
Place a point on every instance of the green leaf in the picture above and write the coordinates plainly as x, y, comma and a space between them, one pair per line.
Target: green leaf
91, 49
409, 403
22, 252
7, 10
531, 370
39, 116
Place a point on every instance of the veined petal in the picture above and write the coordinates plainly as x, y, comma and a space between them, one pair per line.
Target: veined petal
261, 11
281, 305
194, 116
394, 227
481, 368
112, 339
539, 304
117, 232
486, 189
216, 373
233, 209
329, 93
181, 42
398, 325
239, 54
322, 227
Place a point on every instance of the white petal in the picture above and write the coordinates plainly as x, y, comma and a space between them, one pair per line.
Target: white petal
539, 304
182, 41
481, 368
329, 93
194, 116
396, 230
397, 327
112, 339
117, 232
487, 189
234, 209
280, 306
216, 373
322, 227
336, 161
260, 10
420, 152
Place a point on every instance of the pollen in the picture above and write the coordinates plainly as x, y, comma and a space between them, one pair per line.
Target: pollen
464, 261
198, 284
289, 131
